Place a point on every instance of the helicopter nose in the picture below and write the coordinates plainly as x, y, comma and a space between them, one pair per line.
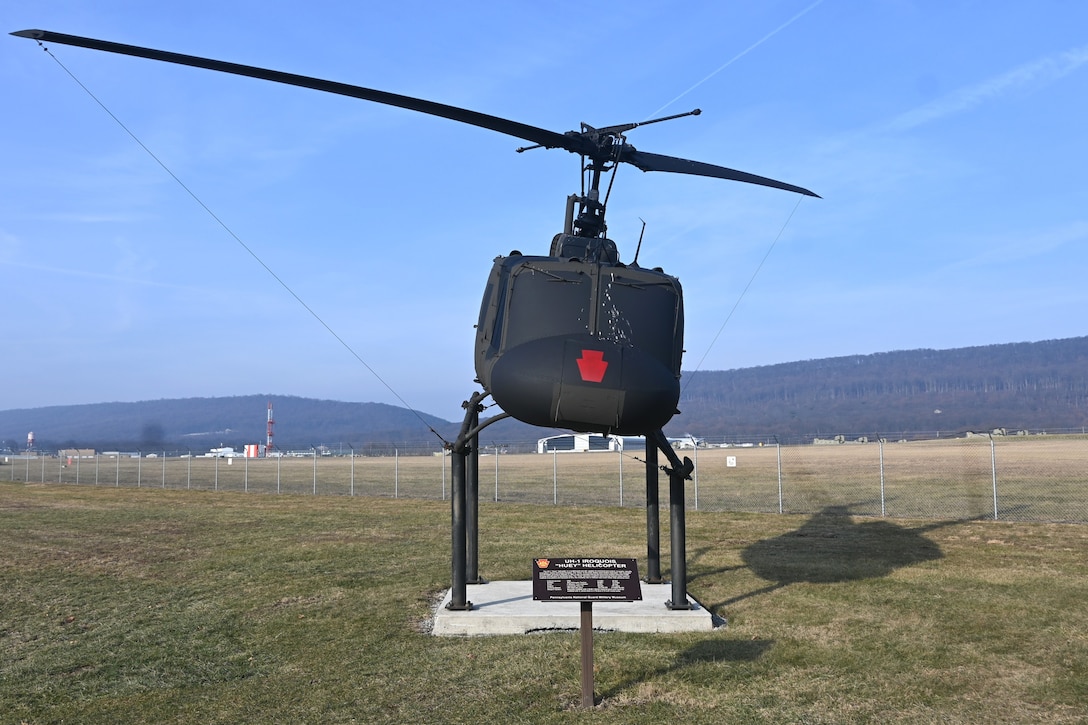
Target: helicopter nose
586, 385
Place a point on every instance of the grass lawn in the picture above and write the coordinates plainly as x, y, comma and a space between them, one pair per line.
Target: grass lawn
137, 605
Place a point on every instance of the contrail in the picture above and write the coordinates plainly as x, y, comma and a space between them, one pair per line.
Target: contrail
1051, 67
741, 54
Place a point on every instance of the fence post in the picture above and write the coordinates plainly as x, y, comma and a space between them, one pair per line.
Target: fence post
695, 452
620, 452
555, 481
315, 470
778, 446
882, 509
993, 472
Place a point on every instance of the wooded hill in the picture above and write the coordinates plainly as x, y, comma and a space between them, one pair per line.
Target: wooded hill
1018, 386
912, 393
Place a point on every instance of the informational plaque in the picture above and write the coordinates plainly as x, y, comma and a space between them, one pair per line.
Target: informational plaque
586, 579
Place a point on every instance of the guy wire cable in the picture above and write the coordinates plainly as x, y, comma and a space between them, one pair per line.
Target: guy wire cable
241, 243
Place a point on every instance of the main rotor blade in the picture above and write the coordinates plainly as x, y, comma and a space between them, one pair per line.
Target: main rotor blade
657, 162
543, 137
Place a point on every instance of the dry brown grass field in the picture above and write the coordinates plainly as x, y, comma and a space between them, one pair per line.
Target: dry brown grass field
1042, 478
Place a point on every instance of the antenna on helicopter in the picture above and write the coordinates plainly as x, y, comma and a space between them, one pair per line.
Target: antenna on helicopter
634, 262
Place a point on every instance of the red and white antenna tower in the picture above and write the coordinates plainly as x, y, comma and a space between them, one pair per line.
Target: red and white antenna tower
271, 422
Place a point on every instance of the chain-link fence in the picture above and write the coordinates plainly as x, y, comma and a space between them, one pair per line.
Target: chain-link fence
1036, 478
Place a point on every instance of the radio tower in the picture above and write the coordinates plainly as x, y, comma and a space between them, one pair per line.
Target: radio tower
271, 422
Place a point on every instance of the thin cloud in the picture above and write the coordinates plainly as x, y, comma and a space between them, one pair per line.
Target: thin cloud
1040, 71
87, 274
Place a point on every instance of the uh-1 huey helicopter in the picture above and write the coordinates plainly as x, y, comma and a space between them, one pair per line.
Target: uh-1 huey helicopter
575, 339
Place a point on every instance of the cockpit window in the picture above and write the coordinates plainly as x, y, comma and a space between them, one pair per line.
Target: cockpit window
547, 302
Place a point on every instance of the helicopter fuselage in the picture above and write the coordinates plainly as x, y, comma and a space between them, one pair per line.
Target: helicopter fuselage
593, 346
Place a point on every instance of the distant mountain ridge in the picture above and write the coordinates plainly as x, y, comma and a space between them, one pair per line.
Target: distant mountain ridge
1014, 386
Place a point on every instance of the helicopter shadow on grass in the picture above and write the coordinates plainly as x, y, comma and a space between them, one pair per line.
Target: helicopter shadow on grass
831, 547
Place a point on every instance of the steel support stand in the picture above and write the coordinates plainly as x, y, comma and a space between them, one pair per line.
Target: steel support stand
678, 471
678, 534
458, 590
653, 516
462, 450
472, 496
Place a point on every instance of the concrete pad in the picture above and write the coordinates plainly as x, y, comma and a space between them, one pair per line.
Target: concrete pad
508, 607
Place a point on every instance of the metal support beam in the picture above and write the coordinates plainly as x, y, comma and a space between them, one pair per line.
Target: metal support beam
678, 471
678, 543
461, 531
472, 496
653, 515
458, 590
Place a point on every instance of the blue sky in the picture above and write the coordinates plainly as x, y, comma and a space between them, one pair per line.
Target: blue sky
946, 138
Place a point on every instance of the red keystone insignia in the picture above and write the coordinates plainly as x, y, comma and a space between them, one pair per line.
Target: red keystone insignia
592, 366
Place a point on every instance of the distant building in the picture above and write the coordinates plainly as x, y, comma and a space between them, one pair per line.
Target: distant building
73, 453
579, 443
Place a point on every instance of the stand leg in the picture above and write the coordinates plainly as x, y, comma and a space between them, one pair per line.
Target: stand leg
458, 590
653, 516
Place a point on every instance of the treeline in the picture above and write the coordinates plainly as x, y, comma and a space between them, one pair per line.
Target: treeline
1012, 386
1020, 386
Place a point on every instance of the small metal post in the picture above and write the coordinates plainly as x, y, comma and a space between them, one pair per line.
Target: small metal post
588, 699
